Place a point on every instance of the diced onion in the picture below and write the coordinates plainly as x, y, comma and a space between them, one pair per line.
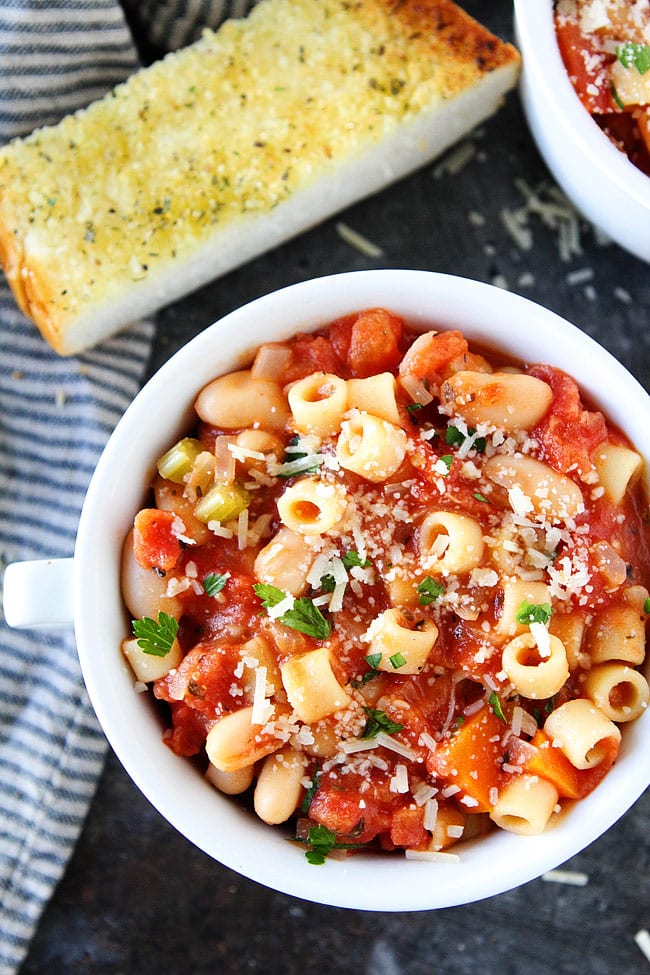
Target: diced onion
270, 362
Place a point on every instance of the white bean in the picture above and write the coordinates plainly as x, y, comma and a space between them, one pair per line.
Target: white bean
236, 401
279, 786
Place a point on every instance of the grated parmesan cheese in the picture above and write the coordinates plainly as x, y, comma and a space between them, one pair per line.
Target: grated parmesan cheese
573, 878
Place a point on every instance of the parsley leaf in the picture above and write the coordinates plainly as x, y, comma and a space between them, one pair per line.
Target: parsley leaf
379, 721
646, 606
373, 660
455, 438
429, 590
303, 616
352, 559
328, 583
156, 638
322, 841
397, 660
307, 618
631, 54
214, 582
291, 463
534, 613
495, 704
270, 595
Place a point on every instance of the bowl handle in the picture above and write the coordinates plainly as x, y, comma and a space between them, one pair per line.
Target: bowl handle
38, 594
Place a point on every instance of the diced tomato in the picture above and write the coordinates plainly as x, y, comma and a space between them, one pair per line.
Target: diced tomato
311, 353
586, 67
188, 731
350, 809
374, 343
407, 827
431, 355
568, 433
155, 544
206, 675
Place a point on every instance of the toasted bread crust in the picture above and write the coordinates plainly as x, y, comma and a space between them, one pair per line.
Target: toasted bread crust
118, 200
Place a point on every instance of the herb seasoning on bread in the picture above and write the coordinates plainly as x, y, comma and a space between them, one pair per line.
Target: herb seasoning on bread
230, 146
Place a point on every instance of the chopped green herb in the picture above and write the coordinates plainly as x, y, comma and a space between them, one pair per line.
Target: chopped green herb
213, 583
646, 606
534, 613
379, 721
412, 409
429, 590
270, 595
156, 637
479, 444
631, 54
481, 497
373, 660
296, 460
397, 660
454, 437
303, 616
322, 841
495, 704
328, 583
352, 560
447, 460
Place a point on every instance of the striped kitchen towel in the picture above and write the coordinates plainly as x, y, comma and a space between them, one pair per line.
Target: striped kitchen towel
55, 416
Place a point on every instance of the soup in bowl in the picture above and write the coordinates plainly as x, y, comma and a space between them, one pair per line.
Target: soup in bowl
361, 625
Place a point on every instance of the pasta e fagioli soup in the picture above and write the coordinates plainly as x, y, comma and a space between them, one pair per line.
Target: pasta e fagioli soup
391, 589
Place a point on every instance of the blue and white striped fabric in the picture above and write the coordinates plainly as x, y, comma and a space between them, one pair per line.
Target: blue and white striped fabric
55, 417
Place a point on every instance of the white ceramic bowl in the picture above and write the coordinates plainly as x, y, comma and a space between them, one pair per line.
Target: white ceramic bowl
603, 184
161, 411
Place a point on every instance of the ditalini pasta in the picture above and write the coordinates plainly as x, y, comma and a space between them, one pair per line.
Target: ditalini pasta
393, 589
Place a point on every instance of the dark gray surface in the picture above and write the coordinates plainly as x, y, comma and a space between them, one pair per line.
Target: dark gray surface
137, 898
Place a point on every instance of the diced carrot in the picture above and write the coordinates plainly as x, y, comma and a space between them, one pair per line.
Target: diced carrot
551, 764
571, 783
155, 545
471, 758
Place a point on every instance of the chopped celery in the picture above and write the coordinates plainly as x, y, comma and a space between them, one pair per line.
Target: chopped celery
177, 463
223, 502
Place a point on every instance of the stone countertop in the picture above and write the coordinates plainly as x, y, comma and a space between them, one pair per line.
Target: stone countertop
137, 897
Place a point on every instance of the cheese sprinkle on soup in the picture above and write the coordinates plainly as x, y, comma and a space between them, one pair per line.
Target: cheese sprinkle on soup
394, 588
